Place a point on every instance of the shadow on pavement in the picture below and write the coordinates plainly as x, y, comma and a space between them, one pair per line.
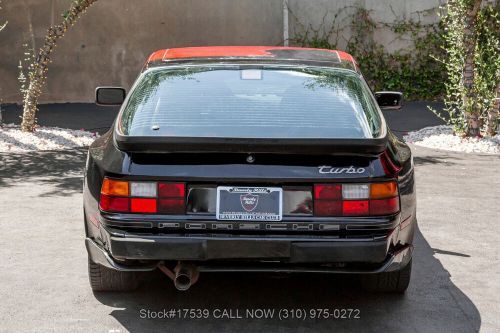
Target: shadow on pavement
432, 304
61, 169
443, 159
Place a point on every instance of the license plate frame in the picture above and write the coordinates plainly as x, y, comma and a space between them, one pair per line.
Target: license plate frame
249, 203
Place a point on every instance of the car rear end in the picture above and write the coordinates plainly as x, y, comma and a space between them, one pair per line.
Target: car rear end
244, 177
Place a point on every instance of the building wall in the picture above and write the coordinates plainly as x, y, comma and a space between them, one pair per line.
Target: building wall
320, 15
110, 43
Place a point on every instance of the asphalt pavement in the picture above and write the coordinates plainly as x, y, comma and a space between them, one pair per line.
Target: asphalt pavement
43, 267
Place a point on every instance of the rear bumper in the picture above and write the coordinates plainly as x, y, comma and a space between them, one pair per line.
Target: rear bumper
289, 253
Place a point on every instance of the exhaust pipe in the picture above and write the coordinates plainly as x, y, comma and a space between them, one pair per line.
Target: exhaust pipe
184, 275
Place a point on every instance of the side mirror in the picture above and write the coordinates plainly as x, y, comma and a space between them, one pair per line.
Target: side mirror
109, 96
389, 100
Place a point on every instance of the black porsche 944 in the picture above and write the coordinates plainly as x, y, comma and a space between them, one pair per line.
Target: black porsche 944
258, 159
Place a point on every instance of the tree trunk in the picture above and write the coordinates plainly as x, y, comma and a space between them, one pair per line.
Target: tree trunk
2, 26
494, 113
470, 36
39, 68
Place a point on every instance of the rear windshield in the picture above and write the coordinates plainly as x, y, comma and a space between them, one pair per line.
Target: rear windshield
231, 102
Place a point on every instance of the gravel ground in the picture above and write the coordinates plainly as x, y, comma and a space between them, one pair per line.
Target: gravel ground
441, 137
12, 139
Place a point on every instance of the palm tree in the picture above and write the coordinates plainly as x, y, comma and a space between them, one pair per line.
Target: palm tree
39, 68
471, 38
494, 113
473, 125
2, 26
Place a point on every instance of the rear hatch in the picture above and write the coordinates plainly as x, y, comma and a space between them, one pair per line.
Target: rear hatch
238, 108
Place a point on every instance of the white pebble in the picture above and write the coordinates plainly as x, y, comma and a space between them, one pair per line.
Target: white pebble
12, 139
442, 137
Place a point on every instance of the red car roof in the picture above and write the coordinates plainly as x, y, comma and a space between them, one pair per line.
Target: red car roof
247, 52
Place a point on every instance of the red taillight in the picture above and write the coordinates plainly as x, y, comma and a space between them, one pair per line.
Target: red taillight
114, 204
171, 190
142, 197
327, 192
355, 207
384, 206
138, 205
327, 208
114, 196
172, 198
171, 206
390, 168
327, 199
356, 199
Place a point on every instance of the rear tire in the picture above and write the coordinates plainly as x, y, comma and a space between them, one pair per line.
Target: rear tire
390, 282
105, 279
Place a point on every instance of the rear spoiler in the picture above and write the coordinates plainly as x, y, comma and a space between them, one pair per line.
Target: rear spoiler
147, 144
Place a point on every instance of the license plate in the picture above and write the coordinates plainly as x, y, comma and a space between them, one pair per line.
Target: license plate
249, 203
